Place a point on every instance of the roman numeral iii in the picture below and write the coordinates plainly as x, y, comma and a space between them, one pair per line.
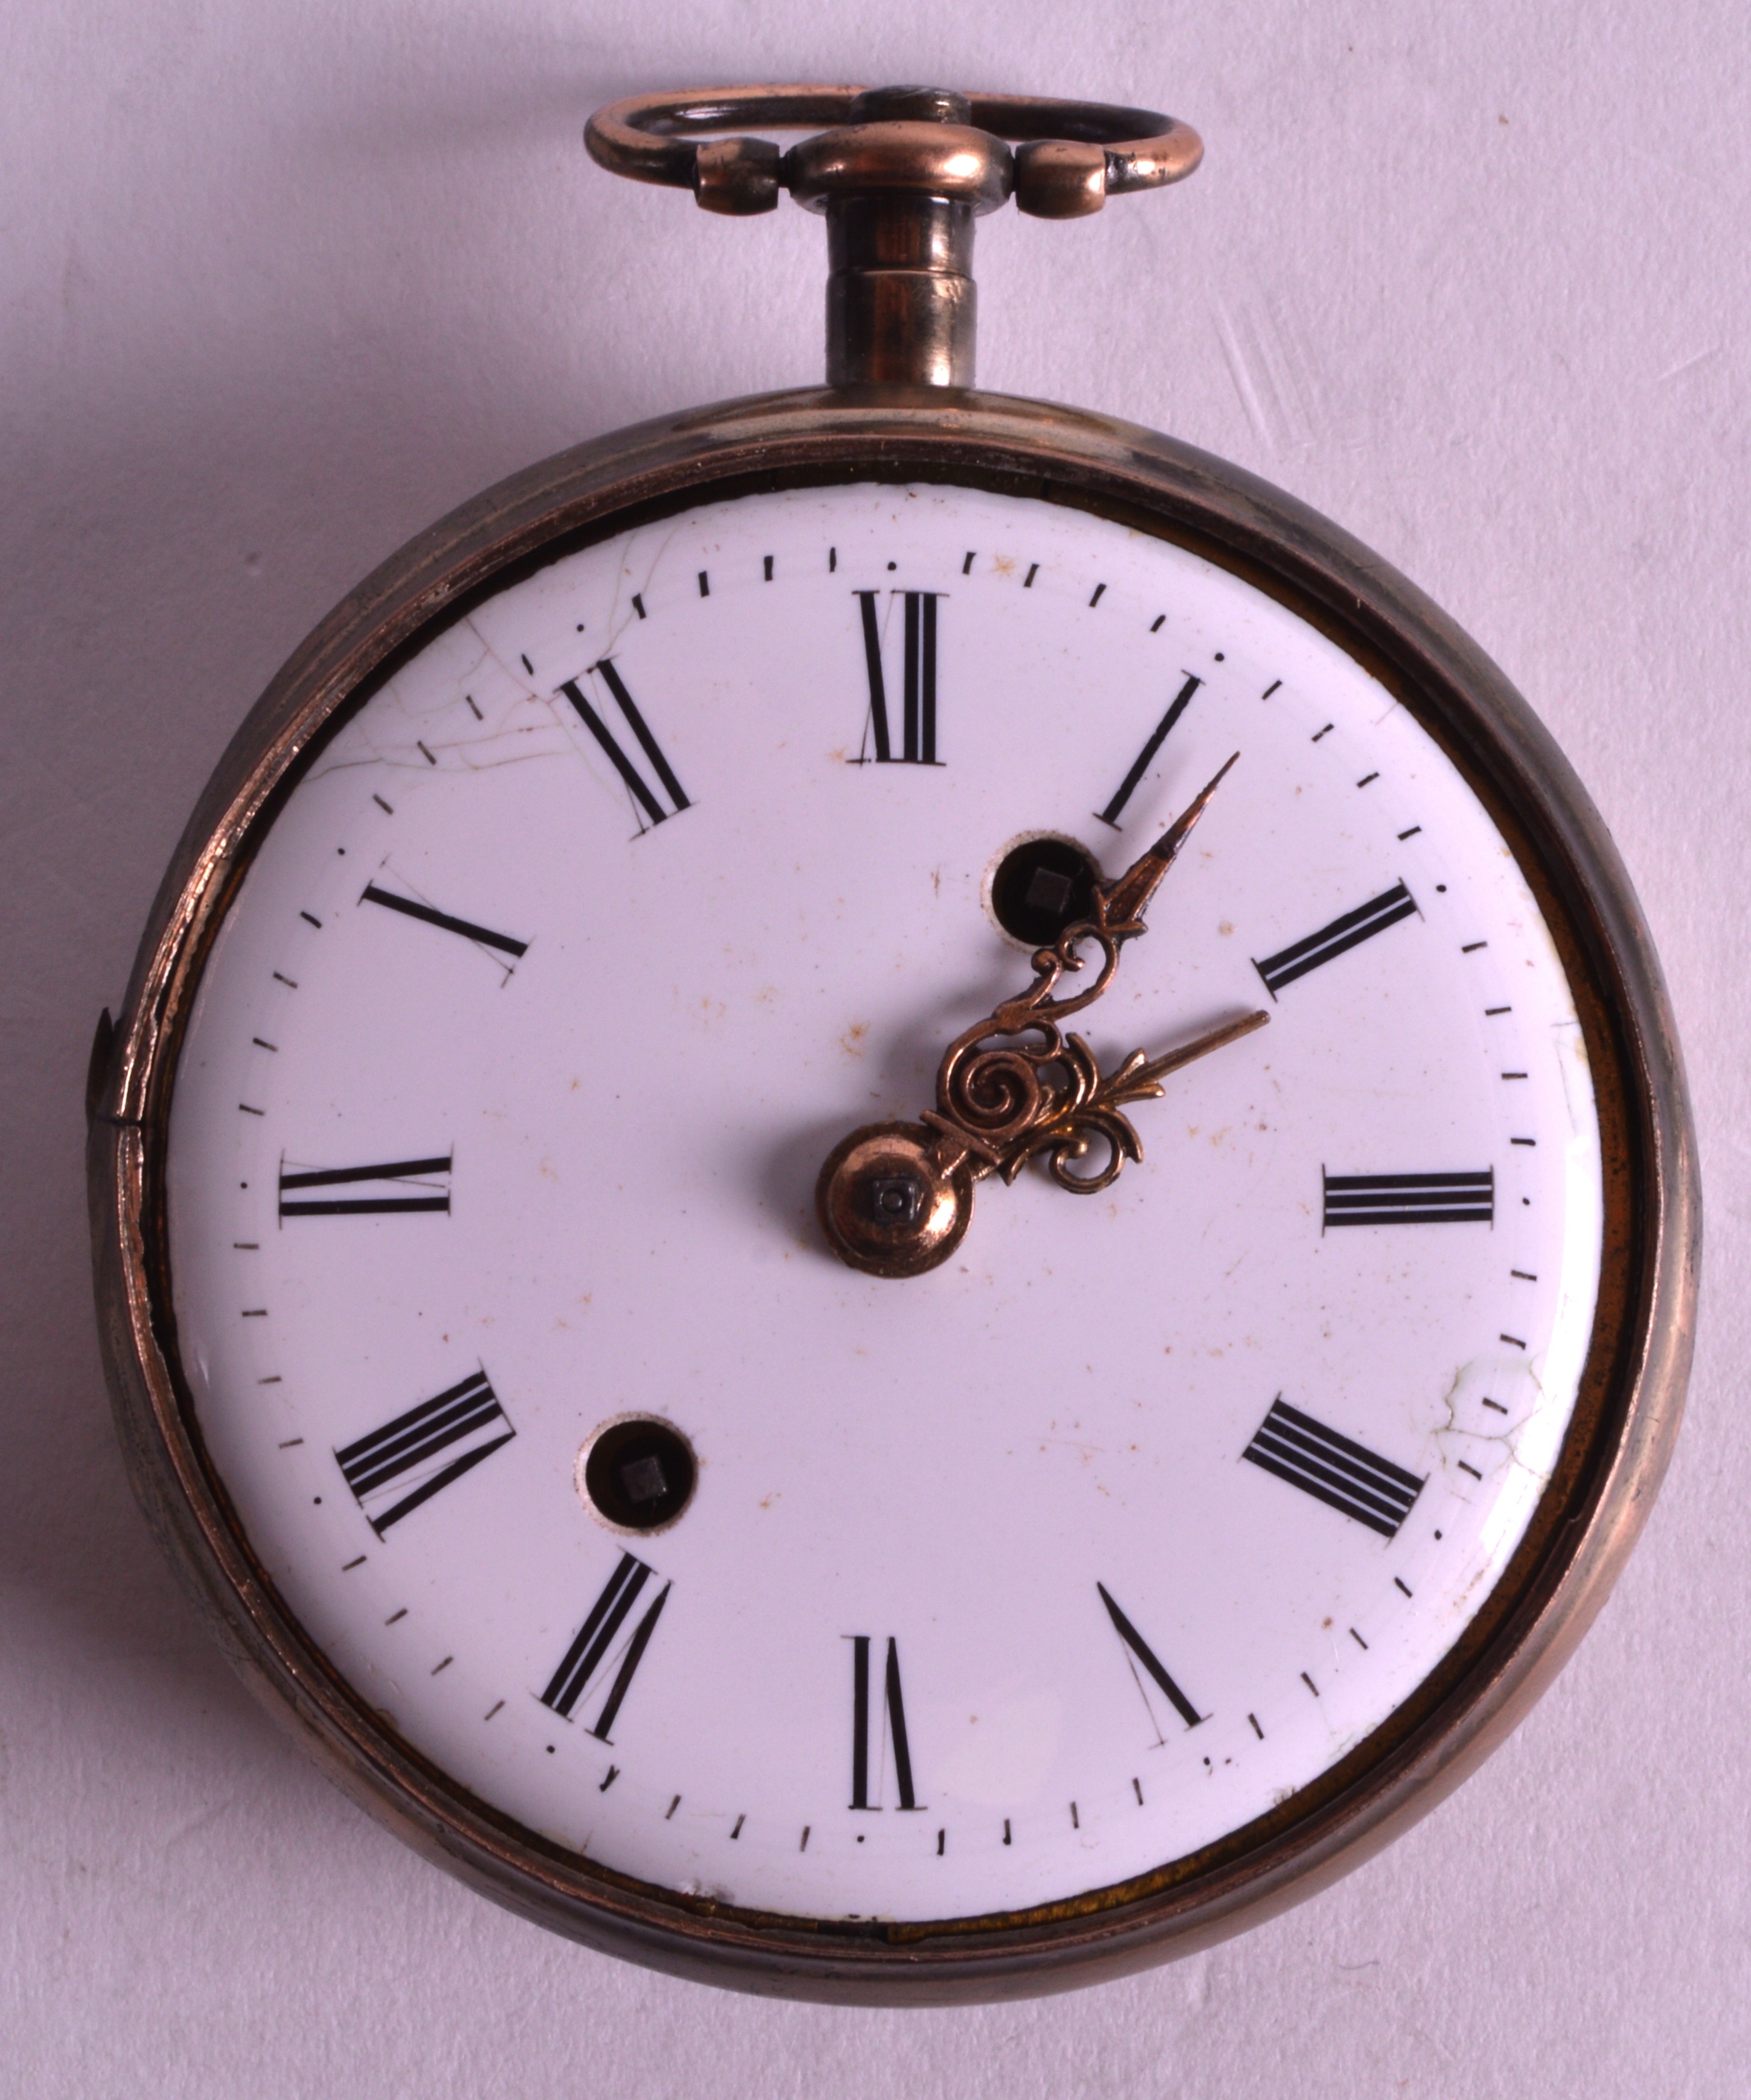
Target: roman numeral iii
1409, 1198
892, 1724
918, 685
393, 1184
405, 1463
645, 797
594, 1645
1334, 1470
1146, 1656
1348, 932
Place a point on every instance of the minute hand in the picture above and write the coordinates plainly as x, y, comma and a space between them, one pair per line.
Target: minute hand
992, 1095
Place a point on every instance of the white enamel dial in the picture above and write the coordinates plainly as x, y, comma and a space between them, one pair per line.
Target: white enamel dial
498, 1120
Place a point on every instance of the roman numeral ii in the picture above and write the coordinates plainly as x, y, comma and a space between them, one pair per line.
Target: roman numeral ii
405, 1463
643, 794
918, 688
1348, 932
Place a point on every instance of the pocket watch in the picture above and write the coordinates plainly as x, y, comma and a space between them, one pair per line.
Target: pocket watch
896, 1204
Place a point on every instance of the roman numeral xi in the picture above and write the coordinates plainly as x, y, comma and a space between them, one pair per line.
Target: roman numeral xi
1334, 1470
644, 795
893, 1721
918, 680
594, 1644
405, 1463
1348, 932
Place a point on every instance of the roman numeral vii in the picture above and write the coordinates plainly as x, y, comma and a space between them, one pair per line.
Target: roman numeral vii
593, 1645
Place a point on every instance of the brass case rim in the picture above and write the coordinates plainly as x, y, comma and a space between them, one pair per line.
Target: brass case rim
1591, 1514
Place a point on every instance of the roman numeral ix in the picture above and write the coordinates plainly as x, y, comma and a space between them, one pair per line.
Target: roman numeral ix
595, 1641
1146, 758
1334, 1470
918, 703
894, 1724
392, 1184
1353, 928
410, 1459
1150, 1661
644, 794
1409, 1198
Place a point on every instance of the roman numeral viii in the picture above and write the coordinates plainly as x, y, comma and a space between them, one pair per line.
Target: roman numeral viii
918, 687
1348, 932
1334, 1470
409, 1460
594, 1645
393, 1184
1146, 1656
1409, 1198
645, 797
893, 1726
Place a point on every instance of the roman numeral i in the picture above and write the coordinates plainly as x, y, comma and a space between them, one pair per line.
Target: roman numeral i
405, 1463
918, 683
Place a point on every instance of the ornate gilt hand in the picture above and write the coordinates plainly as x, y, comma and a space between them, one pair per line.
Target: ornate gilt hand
896, 1199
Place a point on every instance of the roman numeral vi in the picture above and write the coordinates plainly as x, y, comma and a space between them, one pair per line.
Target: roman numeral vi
893, 1720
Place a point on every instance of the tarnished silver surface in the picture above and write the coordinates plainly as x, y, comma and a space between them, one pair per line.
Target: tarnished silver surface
1630, 1396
